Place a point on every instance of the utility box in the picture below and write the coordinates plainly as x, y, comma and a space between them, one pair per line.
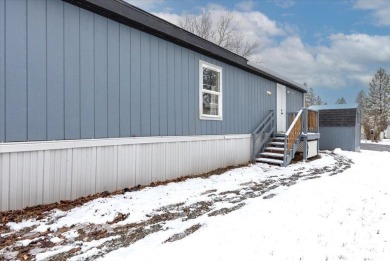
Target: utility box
339, 126
312, 148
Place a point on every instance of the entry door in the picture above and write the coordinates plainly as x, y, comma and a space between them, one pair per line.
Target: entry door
281, 117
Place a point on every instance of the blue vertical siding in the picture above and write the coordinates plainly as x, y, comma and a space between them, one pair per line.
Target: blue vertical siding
163, 87
294, 100
124, 81
101, 71
67, 73
338, 137
154, 88
171, 89
227, 109
178, 89
36, 75
198, 126
72, 71
192, 94
113, 79
185, 92
2, 70
87, 77
135, 82
358, 130
55, 71
16, 70
145, 86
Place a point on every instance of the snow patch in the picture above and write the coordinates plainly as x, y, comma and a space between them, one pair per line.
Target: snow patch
21, 225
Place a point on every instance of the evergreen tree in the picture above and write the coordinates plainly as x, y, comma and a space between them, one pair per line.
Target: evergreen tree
311, 98
318, 100
341, 101
361, 99
378, 102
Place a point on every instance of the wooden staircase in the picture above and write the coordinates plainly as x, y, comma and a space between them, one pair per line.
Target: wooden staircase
279, 148
274, 151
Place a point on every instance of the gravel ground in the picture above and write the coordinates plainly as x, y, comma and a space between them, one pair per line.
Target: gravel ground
374, 146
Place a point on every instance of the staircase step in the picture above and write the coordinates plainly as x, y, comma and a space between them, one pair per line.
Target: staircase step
270, 154
278, 138
275, 148
276, 143
272, 161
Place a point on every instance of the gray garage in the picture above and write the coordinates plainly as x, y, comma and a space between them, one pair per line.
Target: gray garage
339, 126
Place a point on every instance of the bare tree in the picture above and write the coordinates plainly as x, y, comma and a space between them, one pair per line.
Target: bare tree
222, 31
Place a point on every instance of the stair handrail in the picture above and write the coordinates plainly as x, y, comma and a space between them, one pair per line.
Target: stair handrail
294, 122
292, 135
260, 131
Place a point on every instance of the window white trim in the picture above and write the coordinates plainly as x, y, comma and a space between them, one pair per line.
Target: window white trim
203, 64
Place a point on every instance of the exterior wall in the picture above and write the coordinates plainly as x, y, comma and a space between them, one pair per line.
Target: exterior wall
71, 74
45, 172
340, 128
358, 131
77, 82
294, 103
294, 100
338, 137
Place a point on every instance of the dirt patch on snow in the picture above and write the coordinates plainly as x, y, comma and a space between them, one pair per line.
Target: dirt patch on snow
186, 232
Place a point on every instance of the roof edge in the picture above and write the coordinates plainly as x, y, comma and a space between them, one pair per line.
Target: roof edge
335, 106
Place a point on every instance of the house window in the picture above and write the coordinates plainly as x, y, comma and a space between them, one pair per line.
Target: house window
210, 79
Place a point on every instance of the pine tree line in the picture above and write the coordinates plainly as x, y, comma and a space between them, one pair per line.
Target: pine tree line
341, 101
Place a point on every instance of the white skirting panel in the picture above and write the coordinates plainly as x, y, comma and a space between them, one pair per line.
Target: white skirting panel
33, 173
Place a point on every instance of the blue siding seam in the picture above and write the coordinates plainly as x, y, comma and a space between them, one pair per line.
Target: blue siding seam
5, 75
188, 93
166, 89
94, 79
108, 134
139, 87
27, 127
80, 124
158, 89
150, 86
46, 54
130, 89
119, 82
63, 64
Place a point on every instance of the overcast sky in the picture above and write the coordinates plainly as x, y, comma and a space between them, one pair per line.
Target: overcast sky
335, 46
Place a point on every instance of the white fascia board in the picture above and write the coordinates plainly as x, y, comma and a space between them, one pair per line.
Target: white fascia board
86, 143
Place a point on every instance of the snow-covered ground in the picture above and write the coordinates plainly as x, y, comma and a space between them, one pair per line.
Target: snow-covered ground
326, 209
